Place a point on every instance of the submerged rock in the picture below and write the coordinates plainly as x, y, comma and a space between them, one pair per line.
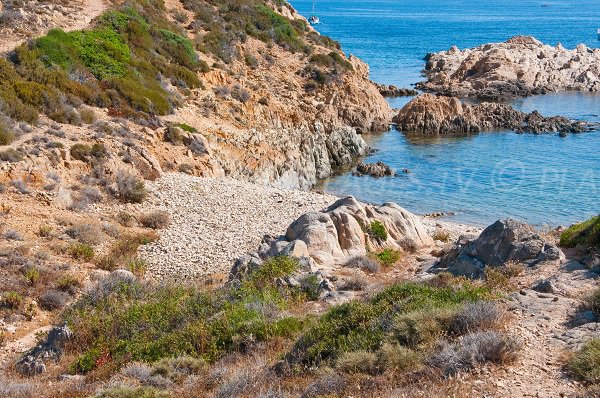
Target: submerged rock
430, 114
378, 169
500, 243
391, 91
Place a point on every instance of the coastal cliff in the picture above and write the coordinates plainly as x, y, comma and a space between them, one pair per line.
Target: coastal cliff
519, 67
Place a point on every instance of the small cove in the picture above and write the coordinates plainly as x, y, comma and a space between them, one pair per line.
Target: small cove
542, 179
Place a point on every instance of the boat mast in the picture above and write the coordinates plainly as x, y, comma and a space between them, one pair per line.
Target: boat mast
313, 10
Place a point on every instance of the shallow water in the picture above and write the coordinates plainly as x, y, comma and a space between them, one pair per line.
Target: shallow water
542, 179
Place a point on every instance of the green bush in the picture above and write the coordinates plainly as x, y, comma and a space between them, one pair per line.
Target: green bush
102, 51
586, 233
585, 364
186, 127
378, 231
388, 257
81, 251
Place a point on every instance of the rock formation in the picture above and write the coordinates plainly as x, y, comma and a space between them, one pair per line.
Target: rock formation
391, 91
430, 114
519, 67
377, 169
343, 230
500, 243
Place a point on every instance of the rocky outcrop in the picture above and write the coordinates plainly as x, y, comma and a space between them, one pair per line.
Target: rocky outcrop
377, 169
51, 349
500, 243
391, 91
430, 114
519, 67
345, 229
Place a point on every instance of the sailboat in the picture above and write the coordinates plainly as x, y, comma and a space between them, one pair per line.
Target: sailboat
314, 19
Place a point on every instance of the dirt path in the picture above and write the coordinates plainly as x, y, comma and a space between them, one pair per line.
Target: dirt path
544, 321
37, 17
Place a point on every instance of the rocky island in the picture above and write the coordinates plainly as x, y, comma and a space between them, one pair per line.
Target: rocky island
519, 67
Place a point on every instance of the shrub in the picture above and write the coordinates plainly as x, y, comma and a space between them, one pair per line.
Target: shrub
586, 233
89, 234
6, 136
11, 234
237, 385
53, 300
442, 235
421, 328
173, 135
364, 263
132, 392
178, 368
21, 187
32, 275
325, 386
187, 127
137, 266
378, 231
274, 268
593, 301
474, 349
88, 116
398, 358
11, 155
81, 251
69, 284
388, 257
156, 220
475, 317
45, 231
358, 362
130, 188
585, 364
311, 286
11, 300
354, 283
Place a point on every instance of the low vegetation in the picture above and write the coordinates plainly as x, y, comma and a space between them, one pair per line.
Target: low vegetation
585, 364
585, 234
125, 319
402, 328
388, 257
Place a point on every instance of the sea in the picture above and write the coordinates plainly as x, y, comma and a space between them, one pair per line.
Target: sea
545, 180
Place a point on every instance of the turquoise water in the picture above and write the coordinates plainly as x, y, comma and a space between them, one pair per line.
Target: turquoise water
541, 179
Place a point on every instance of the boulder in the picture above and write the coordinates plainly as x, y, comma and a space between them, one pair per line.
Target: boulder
342, 230
378, 169
500, 243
